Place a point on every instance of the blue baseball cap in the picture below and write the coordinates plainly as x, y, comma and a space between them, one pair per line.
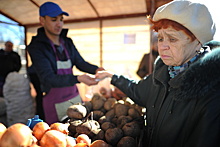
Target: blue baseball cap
51, 9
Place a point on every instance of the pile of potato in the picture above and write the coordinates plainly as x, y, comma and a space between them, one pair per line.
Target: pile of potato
118, 122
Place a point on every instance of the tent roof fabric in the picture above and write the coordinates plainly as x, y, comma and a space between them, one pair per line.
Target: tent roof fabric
26, 12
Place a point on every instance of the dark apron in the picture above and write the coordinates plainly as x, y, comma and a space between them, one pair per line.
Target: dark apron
57, 100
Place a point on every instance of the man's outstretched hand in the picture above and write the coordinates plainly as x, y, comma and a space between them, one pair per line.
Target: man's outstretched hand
87, 79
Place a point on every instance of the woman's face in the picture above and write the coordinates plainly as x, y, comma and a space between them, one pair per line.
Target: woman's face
175, 47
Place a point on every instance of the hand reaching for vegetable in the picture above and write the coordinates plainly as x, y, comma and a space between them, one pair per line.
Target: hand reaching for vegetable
100, 75
87, 79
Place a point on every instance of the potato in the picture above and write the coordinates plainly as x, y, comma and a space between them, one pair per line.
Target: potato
106, 125
114, 120
122, 120
97, 101
87, 127
127, 141
121, 109
103, 110
128, 101
113, 135
140, 109
97, 134
73, 125
133, 113
121, 101
107, 117
103, 119
88, 106
76, 111
110, 114
109, 104
131, 129
97, 114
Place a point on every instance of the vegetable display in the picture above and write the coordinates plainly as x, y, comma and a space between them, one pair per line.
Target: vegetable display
101, 122
108, 119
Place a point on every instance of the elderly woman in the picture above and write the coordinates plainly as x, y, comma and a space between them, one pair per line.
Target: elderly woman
182, 96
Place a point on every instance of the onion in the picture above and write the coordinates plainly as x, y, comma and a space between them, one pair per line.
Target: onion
34, 140
39, 129
63, 128
17, 135
53, 138
83, 138
81, 145
2, 129
34, 145
99, 143
71, 142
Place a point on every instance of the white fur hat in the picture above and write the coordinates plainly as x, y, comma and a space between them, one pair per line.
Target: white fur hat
194, 16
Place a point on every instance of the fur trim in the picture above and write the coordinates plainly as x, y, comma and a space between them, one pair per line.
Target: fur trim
201, 78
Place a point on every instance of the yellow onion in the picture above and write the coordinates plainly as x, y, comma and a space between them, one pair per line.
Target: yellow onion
34, 145
63, 128
2, 129
53, 138
81, 145
83, 138
71, 142
17, 135
39, 129
99, 143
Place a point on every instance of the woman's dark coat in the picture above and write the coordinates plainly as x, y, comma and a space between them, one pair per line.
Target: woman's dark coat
183, 111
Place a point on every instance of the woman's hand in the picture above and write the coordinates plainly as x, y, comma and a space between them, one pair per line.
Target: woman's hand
100, 75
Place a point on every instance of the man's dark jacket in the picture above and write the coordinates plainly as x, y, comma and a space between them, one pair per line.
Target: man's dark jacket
9, 62
44, 61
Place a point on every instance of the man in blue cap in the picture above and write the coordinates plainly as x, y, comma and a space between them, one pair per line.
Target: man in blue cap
53, 55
